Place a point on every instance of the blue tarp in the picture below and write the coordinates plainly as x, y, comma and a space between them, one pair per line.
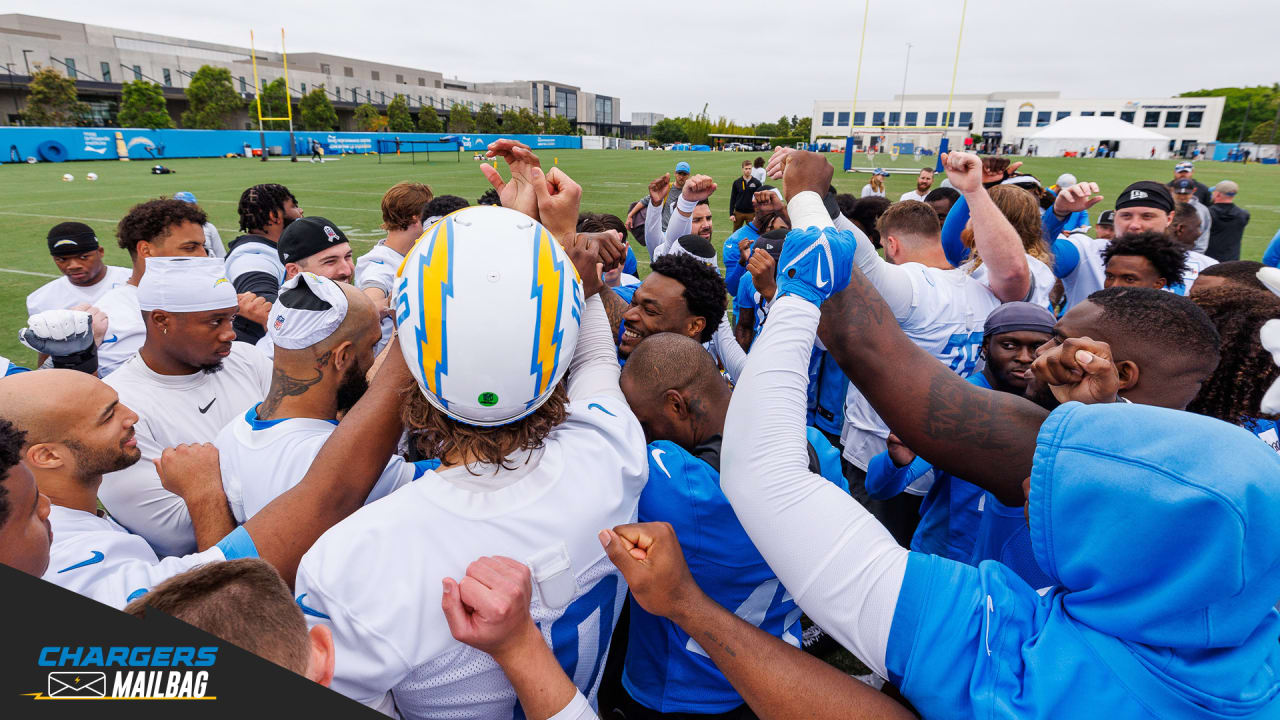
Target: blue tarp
100, 143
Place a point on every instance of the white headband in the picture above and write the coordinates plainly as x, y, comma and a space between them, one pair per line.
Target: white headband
185, 284
308, 310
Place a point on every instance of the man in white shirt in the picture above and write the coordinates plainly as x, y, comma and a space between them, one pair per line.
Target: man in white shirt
515, 448
212, 238
85, 277
316, 245
187, 381
924, 181
156, 228
403, 208
324, 334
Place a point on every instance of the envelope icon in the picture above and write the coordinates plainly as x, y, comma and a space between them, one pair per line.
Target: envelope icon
77, 684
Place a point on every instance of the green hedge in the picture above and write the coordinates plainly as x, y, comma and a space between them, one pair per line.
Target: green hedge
789, 141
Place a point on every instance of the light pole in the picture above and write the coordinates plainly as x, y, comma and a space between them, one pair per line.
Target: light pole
903, 96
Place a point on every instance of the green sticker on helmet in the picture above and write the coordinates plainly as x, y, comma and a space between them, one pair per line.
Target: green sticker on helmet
488, 399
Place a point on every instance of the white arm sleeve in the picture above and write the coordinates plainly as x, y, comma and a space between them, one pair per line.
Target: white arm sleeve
677, 227
731, 354
213, 241
843, 568
577, 709
594, 370
653, 237
806, 210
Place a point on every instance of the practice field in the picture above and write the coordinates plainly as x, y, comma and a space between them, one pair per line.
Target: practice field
348, 191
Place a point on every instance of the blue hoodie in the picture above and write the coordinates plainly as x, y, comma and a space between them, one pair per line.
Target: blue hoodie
1161, 530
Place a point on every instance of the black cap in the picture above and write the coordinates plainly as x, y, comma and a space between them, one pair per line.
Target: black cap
1183, 186
1146, 193
1108, 217
772, 241
307, 236
71, 238
697, 246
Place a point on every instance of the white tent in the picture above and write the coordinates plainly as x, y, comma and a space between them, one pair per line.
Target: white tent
1077, 133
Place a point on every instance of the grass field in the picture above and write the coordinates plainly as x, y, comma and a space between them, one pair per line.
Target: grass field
348, 192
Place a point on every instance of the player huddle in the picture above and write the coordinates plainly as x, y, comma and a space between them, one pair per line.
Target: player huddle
484, 471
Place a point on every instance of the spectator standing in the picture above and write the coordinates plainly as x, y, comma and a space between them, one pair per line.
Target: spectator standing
1184, 191
876, 186
1229, 221
924, 181
1185, 170
744, 189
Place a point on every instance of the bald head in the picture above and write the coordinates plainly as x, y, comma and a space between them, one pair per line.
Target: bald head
675, 389
49, 404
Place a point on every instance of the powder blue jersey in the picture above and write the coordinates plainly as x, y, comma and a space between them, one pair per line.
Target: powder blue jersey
827, 389
665, 669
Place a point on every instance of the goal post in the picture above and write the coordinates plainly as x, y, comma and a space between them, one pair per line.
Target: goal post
869, 148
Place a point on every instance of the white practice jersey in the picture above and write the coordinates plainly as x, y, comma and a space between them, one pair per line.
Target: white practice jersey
125, 329
913, 195
1042, 280
96, 557
375, 578
377, 269
213, 242
262, 459
60, 294
1089, 275
172, 410
1196, 262
254, 256
948, 311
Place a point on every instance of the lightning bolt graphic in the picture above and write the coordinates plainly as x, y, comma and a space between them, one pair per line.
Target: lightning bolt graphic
436, 288
548, 291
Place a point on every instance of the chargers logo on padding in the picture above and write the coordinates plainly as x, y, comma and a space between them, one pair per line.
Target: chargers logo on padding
436, 268
548, 291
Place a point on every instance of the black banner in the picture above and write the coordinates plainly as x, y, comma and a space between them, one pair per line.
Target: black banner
66, 656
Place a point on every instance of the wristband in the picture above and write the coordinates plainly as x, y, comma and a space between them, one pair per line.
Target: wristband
685, 206
85, 361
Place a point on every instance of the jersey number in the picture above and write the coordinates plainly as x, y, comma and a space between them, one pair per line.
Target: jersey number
962, 352
754, 610
567, 630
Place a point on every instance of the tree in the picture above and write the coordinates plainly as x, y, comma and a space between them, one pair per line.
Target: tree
668, 130
784, 125
52, 100
142, 106
367, 118
428, 120
767, 129
316, 112
460, 119
487, 119
273, 105
557, 125
519, 122
211, 99
804, 128
1264, 132
1258, 102
398, 117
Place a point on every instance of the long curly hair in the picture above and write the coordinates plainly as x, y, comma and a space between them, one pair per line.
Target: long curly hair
1234, 391
437, 435
1020, 209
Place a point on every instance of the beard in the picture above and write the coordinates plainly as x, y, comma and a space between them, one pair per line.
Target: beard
93, 463
353, 386
211, 368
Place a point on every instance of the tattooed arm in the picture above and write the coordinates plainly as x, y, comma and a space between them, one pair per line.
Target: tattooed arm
983, 436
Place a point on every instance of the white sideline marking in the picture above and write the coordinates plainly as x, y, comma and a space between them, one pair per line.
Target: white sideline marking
27, 272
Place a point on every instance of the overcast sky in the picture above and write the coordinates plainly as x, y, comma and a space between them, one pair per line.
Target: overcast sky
754, 61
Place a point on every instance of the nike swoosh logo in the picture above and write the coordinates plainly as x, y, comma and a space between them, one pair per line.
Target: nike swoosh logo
657, 454
106, 340
96, 558
601, 408
309, 611
818, 280
205, 409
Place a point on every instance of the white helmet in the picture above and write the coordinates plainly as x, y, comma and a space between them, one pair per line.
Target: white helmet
488, 306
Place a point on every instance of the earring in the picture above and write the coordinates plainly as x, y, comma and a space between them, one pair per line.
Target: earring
165, 331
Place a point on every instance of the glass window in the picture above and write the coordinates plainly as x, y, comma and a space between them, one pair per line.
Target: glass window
546, 99
860, 118
348, 72
912, 119
399, 78
567, 103
422, 82
1108, 113
243, 86
1151, 118
966, 118
1127, 116
1086, 113
1172, 119
304, 88
1194, 117
842, 119
877, 118
106, 71
1042, 118
893, 118
1024, 118
994, 117
324, 68
373, 75
168, 78
828, 119
71, 68
931, 119
1064, 113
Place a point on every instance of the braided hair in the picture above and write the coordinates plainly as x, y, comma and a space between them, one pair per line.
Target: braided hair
259, 202
1234, 391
